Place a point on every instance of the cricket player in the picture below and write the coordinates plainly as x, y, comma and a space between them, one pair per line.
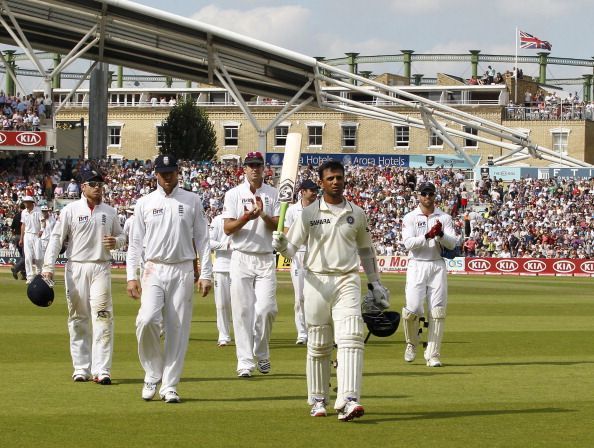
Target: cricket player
170, 227
220, 244
425, 231
309, 193
334, 230
92, 229
250, 215
47, 224
30, 239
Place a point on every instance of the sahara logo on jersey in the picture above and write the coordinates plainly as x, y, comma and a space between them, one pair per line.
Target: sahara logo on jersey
317, 222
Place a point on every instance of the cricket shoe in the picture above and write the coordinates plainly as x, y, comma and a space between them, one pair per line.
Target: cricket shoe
171, 397
223, 343
410, 353
148, 391
301, 340
244, 373
264, 366
80, 378
15, 274
319, 408
104, 379
434, 361
351, 410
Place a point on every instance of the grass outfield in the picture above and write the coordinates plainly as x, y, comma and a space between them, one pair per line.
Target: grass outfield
519, 371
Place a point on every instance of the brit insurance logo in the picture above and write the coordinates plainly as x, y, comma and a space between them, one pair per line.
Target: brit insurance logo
535, 266
28, 139
479, 265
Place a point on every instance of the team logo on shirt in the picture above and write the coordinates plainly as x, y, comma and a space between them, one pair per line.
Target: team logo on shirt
158, 212
180, 210
103, 219
350, 220
317, 222
82, 219
421, 224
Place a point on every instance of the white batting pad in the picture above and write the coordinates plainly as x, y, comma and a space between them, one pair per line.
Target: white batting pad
319, 350
435, 336
349, 335
411, 327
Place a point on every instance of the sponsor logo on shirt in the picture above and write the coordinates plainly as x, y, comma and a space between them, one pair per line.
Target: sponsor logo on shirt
350, 220
317, 222
158, 212
82, 219
180, 210
421, 224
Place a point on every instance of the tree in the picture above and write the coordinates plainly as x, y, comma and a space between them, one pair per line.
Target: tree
188, 134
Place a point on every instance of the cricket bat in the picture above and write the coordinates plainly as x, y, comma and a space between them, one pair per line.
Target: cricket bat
288, 177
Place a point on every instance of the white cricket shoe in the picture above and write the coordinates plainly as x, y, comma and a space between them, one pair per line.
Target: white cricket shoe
434, 361
80, 378
351, 410
223, 343
171, 397
410, 353
301, 340
318, 409
148, 391
103, 379
264, 366
244, 373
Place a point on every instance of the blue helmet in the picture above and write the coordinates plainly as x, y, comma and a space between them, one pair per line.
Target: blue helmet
41, 291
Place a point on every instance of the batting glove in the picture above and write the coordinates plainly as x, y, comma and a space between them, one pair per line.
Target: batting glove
380, 293
279, 241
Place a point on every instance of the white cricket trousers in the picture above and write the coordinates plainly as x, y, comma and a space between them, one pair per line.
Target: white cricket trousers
253, 301
222, 296
90, 317
33, 255
167, 292
298, 278
426, 280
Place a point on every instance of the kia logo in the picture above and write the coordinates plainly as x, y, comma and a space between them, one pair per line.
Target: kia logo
507, 265
478, 265
2, 138
588, 267
564, 266
535, 266
28, 138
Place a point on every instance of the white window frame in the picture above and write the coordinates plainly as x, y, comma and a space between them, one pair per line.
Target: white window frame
158, 143
114, 136
474, 144
280, 134
315, 124
560, 132
343, 138
396, 135
433, 135
230, 125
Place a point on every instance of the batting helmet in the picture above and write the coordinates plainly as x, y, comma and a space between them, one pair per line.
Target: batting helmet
41, 291
382, 324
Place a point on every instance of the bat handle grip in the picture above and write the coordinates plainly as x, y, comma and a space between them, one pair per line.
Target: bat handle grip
281, 219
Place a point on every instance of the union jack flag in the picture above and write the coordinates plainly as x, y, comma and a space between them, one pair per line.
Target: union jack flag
529, 41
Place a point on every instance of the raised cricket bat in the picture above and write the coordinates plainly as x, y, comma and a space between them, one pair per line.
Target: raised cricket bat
288, 177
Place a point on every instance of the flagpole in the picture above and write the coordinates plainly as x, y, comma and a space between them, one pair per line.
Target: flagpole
516, 71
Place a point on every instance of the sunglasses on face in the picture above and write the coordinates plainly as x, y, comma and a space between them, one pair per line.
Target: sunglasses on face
94, 184
427, 194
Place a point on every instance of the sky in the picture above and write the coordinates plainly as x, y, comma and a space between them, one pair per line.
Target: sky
331, 28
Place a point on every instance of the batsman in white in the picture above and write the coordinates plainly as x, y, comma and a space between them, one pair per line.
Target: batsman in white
425, 231
171, 228
334, 230
221, 245
309, 193
30, 241
47, 226
250, 214
92, 229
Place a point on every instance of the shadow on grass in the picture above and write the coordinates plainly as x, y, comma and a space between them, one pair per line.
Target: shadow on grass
231, 377
524, 363
427, 373
372, 418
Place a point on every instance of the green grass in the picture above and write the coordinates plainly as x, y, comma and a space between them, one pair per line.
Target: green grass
519, 371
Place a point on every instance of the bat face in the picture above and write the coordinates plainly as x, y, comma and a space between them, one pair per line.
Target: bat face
286, 190
288, 178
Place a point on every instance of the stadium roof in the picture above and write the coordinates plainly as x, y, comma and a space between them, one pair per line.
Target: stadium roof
136, 36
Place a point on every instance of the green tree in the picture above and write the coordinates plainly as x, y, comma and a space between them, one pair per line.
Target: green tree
188, 134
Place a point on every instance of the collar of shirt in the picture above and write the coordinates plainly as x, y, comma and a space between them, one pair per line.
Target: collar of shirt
325, 208
162, 192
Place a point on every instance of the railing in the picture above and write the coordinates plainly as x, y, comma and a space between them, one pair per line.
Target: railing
549, 112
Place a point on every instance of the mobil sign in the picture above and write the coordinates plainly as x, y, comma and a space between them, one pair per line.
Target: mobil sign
23, 139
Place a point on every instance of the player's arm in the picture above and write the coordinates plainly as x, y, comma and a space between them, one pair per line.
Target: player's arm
201, 238
120, 237
377, 292
134, 253
233, 218
59, 234
289, 244
217, 241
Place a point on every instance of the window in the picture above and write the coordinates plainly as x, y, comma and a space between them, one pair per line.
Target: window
314, 135
468, 142
160, 137
560, 140
435, 140
114, 135
280, 135
231, 135
401, 136
349, 136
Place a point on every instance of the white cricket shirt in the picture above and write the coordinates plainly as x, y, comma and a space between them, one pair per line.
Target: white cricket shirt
333, 241
414, 227
254, 236
32, 220
292, 215
220, 244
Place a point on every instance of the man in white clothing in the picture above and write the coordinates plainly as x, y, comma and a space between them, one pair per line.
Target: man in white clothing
250, 214
309, 193
220, 244
30, 239
92, 229
426, 230
335, 232
170, 227
47, 224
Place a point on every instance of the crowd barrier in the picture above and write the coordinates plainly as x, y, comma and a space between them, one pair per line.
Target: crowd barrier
398, 264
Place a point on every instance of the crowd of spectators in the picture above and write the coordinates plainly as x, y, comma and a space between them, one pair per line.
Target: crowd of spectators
23, 113
525, 218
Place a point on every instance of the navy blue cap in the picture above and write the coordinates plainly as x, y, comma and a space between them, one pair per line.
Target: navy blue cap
165, 163
308, 184
426, 187
90, 175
